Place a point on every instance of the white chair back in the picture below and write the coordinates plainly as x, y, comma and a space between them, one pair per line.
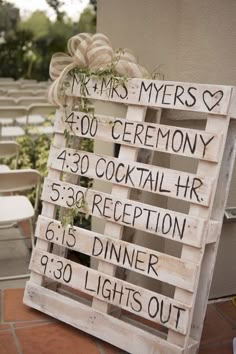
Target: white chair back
20, 92
9, 149
20, 180
7, 101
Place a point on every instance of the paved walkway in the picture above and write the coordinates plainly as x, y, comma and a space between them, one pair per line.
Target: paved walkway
27, 331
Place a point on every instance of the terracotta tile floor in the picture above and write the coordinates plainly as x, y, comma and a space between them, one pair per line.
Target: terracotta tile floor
27, 331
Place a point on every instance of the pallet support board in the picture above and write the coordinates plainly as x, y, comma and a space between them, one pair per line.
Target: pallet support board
214, 148
145, 135
142, 260
218, 124
97, 323
209, 259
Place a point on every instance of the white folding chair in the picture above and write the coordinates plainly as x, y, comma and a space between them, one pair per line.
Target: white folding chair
32, 118
8, 114
7, 79
46, 110
7, 101
17, 208
26, 92
9, 149
28, 100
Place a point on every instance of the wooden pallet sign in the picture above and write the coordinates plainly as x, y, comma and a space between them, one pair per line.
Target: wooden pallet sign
89, 299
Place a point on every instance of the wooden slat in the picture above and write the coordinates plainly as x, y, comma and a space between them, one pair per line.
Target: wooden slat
134, 299
154, 93
208, 264
139, 259
172, 183
116, 229
192, 230
218, 123
158, 137
169, 224
49, 209
98, 324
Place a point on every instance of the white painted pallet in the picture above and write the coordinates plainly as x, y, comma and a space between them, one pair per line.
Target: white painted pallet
198, 231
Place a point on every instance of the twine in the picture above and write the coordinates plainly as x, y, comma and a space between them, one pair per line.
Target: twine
93, 52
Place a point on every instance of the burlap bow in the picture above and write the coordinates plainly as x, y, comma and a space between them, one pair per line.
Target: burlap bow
93, 52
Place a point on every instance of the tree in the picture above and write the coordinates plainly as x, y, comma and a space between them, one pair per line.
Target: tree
38, 23
9, 16
94, 4
55, 5
13, 54
87, 21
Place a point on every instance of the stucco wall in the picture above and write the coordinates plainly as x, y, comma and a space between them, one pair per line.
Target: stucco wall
191, 41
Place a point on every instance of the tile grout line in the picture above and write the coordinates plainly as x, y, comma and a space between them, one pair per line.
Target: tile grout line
99, 347
32, 324
15, 339
225, 317
2, 306
215, 344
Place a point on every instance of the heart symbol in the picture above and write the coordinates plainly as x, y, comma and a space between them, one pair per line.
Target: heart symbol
209, 99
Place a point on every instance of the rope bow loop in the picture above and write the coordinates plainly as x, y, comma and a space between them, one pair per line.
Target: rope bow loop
94, 52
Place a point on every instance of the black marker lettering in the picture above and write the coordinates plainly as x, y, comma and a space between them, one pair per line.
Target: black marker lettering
151, 263
152, 313
107, 294
161, 313
163, 135
157, 91
127, 257
113, 129
119, 180
97, 198
205, 144
148, 136
138, 130
100, 168
137, 213
135, 295
138, 260
192, 147
177, 141
115, 211
166, 224
86, 282
179, 309
166, 94
97, 247
178, 92
197, 183
125, 213
114, 252
107, 206
192, 96
127, 140
146, 89
179, 230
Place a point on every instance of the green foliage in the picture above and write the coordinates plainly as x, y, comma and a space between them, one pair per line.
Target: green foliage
38, 23
14, 54
87, 21
55, 5
34, 152
26, 46
9, 16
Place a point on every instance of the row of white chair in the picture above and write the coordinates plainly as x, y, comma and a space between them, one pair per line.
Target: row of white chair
9, 149
15, 119
22, 100
24, 85
16, 208
26, 92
